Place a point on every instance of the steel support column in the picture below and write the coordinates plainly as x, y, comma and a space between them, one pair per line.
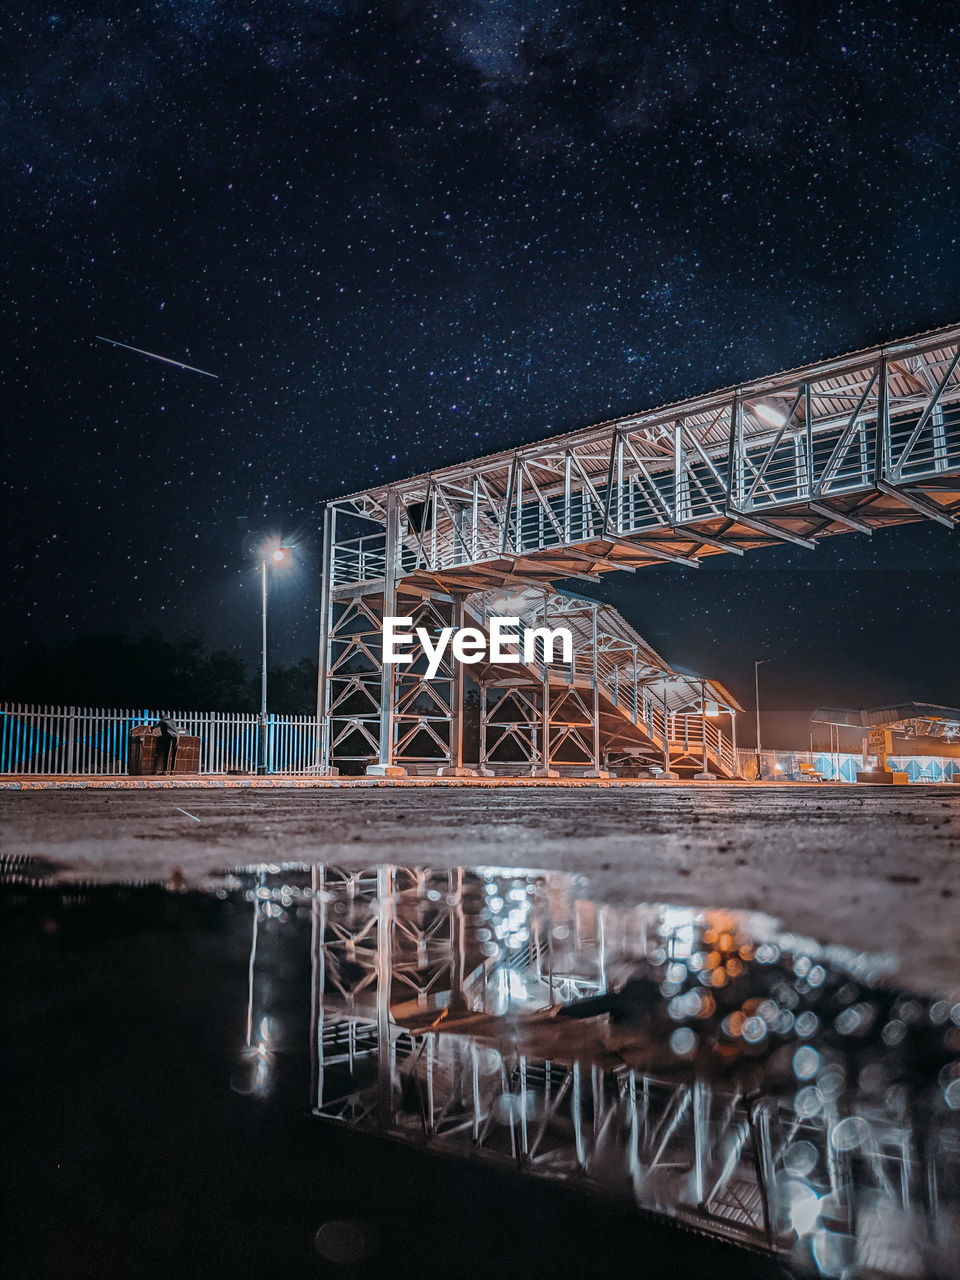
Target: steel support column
456, 720
323, 653
705, 775
456, 767
385, 763
596, 771
667, 773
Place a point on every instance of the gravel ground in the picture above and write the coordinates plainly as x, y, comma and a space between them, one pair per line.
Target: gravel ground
875, 869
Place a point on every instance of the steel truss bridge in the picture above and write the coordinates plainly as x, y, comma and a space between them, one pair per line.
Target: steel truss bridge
845, 446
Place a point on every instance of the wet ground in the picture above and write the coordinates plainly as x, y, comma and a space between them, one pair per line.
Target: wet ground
147, 1133
381, 1070
871, 868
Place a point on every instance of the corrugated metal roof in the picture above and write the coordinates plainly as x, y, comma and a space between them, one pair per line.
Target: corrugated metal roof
889, 715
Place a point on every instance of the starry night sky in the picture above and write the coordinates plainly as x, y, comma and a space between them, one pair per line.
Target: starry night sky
406, 233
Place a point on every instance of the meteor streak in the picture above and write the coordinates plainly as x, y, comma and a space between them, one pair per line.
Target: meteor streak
178, 364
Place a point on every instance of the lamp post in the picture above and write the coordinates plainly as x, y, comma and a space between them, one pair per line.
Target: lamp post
666, 772
756, 695
271, 554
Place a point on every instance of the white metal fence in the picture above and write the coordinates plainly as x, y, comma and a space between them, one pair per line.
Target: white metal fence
36, 740
94, 740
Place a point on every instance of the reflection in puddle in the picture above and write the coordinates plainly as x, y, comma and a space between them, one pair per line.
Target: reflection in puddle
756, 1086
699, 1064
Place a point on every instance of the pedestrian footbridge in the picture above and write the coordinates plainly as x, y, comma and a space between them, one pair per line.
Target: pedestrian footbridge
844, 446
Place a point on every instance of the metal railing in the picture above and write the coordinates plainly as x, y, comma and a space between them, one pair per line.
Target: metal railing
360, 559
43, 740
687, 733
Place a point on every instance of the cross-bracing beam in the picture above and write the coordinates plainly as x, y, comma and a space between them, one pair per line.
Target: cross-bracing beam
863, 441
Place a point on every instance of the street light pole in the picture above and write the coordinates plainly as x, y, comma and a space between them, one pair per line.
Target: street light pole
756, 695
703, 723
262, 761
277, 555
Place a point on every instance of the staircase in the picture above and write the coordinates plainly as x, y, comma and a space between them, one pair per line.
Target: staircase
643, 705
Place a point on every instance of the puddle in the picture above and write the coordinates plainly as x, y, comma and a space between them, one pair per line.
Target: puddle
697, 1065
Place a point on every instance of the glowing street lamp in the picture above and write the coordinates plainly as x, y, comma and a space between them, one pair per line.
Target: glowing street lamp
277, 556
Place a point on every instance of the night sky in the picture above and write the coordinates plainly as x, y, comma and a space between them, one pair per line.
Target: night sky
402, 234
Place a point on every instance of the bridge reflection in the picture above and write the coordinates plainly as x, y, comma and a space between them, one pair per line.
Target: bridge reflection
752, 1085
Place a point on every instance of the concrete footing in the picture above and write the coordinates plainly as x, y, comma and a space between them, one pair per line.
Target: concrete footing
385, 771
456, 771
596, 773
543, 773
704, 777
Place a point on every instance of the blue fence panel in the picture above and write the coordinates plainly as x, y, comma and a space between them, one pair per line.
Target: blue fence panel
38, 740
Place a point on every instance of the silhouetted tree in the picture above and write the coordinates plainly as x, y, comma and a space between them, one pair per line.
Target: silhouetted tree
146, 671
292, 690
